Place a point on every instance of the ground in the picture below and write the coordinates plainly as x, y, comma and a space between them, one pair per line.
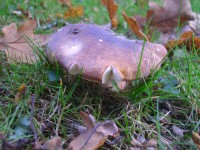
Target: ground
164, 106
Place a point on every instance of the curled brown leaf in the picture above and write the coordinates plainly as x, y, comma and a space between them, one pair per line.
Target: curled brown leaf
112, 10
132, 22
187, 39
95, 135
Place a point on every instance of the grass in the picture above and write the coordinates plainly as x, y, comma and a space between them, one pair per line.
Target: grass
140, 112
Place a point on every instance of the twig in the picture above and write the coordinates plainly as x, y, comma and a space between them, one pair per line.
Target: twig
99, 124
32, 117
114, 141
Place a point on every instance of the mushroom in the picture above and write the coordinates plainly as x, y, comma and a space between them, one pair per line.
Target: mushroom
101, 56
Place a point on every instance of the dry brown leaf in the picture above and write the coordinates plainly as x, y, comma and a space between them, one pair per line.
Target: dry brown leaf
52, 144
167, 18
136, 143
132, 22
73, 12
152, 143
112, 10
65, 2
18, 98
95, 135
144, 144
186, 39
14, 42
196, 139
20, 94
22, 88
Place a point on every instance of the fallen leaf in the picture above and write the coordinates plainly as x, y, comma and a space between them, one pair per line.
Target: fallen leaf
142, 143
73, 12
167, 17
196, 139
152, 143
186, 39
170, 15
141, 20
95, 135
164, 37
20, 94
22, 88
136, 143
52, 144
112, 10
65, 2
195, 24
14, 42
185, 29
178, 131
132, 22
18, 98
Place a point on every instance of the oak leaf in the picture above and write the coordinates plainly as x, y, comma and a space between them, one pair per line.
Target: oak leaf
14, 42
112, 10
52, 144
95, 135
168, 17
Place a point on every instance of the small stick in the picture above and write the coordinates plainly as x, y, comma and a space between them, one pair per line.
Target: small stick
115, 140
32, 117
93, 131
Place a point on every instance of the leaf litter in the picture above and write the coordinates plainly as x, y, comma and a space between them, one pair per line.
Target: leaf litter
16, 42
13, 36
95, 135
196, 139
166, 18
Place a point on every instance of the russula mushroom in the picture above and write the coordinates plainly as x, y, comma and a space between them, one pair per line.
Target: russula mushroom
101, 56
